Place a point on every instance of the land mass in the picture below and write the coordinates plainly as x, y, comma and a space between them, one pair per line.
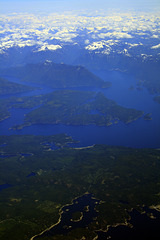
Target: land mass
56, 75
70, 107
7, 87
121, 178
148, 116
4, 113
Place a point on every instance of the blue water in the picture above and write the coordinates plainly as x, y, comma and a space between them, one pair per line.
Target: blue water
4, 186
139, 134
66, 224
143, 227
32, 174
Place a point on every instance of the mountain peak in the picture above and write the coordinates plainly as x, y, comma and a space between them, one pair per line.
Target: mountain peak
48, 62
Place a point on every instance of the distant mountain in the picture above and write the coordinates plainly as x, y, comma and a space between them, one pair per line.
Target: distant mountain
56, 75
145, 69
140, 61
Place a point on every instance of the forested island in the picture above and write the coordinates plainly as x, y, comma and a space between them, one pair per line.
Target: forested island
70, 107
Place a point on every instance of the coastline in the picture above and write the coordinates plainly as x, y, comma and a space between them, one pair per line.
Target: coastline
60, 216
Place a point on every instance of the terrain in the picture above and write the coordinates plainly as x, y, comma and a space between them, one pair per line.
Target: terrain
31, 203
93, 78
7, 87
56, 75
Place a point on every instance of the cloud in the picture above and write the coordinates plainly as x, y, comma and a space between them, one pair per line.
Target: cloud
99, 31
155, 36
49, 47
114, 34
95, 45
155, 47
102, 45
131, 45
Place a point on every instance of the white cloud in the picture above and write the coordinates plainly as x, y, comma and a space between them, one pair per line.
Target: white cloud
156, 46
49, 47
95, 45
131, 45
155, 36
101, 45
64, 36
87, 41
114, 34
102, 30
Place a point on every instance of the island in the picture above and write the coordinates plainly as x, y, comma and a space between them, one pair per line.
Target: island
148, 116
77, 216
103, 181
71, 107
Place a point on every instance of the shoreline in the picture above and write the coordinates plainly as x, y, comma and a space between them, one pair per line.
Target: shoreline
59, 220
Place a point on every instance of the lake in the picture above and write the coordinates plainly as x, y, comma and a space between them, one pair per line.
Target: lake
139, 134
141, 227
85, 205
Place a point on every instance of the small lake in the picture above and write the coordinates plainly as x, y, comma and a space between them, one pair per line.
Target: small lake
140, 133
85, 204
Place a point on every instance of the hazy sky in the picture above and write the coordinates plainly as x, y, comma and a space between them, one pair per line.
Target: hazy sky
62, 5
